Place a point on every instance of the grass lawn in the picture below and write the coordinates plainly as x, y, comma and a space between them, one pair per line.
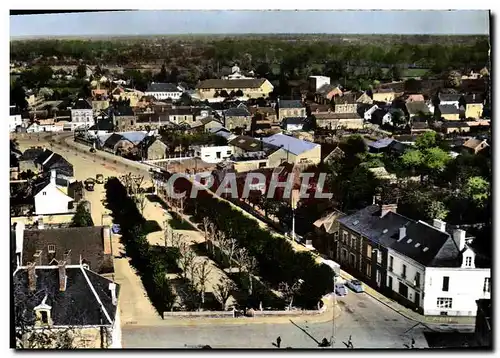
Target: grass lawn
177, 223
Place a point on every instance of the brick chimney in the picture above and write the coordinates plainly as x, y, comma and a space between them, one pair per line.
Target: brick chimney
112, 288
53, 175
106, 237
62, 276
439, 224
459, 238
385, 208
40, 224
402, 232
31, 276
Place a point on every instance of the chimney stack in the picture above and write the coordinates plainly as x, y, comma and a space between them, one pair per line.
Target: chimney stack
19, 237
112, 288
53, 175
385, 208
41, 226
402, 232
106, 237
62, 276
67, 257
31, 276
439, 224
459, 238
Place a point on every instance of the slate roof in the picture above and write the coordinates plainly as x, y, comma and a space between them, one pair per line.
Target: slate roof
60, 164
250, 144
449, 97
31, 154
102, 125
378, 115
293, 120
153, 117
379, 230
162, 87
291, 144
473, 143
455, 124
381, 143
82, 104
75, 190
290, 103
347, 98
112, 140
120, 111
76, 306
448, 109
87, 242
419, 125
134, 137
326, 88
43, 156
238, 83
333, 115
417, 107
474, 98
209, 119
237, 112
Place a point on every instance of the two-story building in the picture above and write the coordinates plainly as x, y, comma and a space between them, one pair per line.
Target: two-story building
15, 119
474, 106
124, 118
237, 117
249, 87
162, 91
82, 114
291, 108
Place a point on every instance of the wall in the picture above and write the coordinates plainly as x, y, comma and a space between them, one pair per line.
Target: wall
157, 150
291, 112
54, 202
451, 117
262, 91
164, 95
125, 123
15, 121
384, 97
474, 110
465, 287
248, 165
242, 122
83, 116
47, 219
209, 154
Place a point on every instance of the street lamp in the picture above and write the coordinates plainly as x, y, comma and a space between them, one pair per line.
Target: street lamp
333, 311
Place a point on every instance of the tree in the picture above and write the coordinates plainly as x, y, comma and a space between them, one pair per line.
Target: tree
202, 271
248, 264
44, 75
162, 76
398, 118
206, 227
174, 75
394, 73
288, 292
81, 71
222, 291
353, 145
426, 140
186, 259
172, 238
412, 160
82, 217
238, 93
435, 159
477, 190
164, 293
18, 97
46, 93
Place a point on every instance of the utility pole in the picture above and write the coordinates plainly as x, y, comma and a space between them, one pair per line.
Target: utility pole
333, 311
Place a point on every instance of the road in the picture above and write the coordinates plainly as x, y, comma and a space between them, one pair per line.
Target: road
370, 323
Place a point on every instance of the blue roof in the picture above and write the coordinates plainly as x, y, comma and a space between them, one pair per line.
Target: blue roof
381, 143
291, 144
134, 137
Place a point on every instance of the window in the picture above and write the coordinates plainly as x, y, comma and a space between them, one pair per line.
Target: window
487, 285
217, 155
45, 317
391, 262
369, 251
44, 193
51, 248
379, 256
403, 274
369, 269
228, 152
446, 283
417, 279
344, 237
132, 122
389, 282
444, 302
468, 261
262, 165
352, 260
353, 241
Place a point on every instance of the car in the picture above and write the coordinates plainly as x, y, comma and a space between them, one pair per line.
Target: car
92, 150
99, 178
340, 289
355, 285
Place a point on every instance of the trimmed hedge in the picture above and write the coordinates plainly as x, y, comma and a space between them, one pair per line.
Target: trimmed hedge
277, 262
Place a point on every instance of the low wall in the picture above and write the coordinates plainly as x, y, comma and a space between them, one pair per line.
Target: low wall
47, 219
200, 314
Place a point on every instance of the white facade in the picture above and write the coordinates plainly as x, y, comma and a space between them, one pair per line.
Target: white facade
318, 81
215, 154
51, 200
165, 95
369, 112
82, 117
14, 121
294, 126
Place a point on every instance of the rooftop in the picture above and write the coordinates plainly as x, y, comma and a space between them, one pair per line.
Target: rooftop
291, 144
290, 103
82, 104
162, 87
235, 84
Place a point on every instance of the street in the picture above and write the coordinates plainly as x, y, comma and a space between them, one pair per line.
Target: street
370, 323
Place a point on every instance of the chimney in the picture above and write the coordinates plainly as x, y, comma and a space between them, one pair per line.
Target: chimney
19, 237
53, 175
62, 276
385, 208
402, 232
67, 257
41, 226
459, 238
106, 237
31, 276
439, 224
112, 288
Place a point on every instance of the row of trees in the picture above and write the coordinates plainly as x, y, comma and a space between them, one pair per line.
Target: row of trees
277, 262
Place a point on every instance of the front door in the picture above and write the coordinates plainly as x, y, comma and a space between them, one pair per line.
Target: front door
389, 282
417, 299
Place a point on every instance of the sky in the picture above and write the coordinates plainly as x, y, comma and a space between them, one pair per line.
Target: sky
164, 22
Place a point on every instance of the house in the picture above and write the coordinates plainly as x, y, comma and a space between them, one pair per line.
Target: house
151, 148
82, 114
250, 87
474, 145
292, 150
124, 118
386, 95
428, 267
316, 82
58, 298
249, 153
332, 120
419, 127
245, 144
449, 112
213, 154
99, 105
211, 124
238, 117
27, 159
15, 119
381, 117
153, 120
484, 323
326, 93
474, 106
335, 155
449, 99
290, 108
324, 227
346, 103
127, 94
162, 91
48, 161
181, 115
46, 246
455, 127
101, 127
293, 123
364, 99
368, 113
264, 114
114, 143
50, 197
417, 108
414, 98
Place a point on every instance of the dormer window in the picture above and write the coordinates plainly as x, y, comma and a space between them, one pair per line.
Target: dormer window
42, 313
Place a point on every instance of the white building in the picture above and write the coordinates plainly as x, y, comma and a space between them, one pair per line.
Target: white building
213, 154
437, 272
15, 119
316, 82
82, 114
50, 198
162, 91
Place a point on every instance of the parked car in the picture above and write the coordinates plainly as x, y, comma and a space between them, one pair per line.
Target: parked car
99, 178
340, 289
92, 150
355, 285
